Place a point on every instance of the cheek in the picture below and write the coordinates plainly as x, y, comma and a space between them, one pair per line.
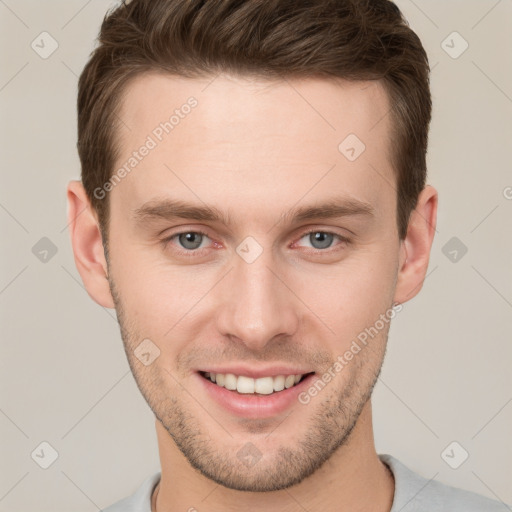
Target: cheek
160, 299
352, 295
156, 300
145, 289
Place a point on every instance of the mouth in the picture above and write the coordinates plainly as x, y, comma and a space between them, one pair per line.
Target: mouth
244, 385
258, 397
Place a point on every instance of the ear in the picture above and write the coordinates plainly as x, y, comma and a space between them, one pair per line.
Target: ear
415, 248
88, 245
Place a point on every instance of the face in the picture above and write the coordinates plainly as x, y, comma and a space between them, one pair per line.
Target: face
251, 240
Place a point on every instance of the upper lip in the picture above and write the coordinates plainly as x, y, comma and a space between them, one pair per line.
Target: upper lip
256, 373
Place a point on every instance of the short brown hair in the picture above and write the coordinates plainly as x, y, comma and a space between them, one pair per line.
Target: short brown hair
349, 39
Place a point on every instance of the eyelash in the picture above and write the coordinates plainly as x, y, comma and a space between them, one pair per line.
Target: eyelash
195, 252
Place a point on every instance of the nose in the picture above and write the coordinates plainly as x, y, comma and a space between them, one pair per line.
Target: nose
257, 303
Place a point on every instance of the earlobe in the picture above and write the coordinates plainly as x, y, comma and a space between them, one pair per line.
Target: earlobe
87, 245
415, 248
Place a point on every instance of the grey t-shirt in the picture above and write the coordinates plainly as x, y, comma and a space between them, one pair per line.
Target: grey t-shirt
413, 493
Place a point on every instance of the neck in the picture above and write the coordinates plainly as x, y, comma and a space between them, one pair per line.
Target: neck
354, 478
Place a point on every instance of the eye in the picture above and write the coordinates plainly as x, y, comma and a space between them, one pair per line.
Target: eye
191, 240
192, 243
187, 241
321, 240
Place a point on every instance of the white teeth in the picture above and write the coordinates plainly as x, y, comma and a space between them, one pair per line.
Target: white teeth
245, 384
230, 381
289, 381
264, 385
248, 385
279, 383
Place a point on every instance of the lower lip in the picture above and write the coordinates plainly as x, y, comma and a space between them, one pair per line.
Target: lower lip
255, 406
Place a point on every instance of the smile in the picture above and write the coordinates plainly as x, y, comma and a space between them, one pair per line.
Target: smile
247, 385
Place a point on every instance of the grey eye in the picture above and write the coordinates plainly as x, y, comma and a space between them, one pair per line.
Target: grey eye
321, 239
190, 240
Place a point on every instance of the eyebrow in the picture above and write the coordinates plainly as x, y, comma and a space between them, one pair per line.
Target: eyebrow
169, 209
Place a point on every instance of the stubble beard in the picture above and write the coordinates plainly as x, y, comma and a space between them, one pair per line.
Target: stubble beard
335, 412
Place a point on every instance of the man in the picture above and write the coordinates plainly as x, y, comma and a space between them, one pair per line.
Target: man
254, 205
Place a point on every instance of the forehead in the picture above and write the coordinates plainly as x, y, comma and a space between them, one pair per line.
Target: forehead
321, 107
242, 141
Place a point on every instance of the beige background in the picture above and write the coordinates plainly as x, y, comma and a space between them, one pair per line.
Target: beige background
65, 378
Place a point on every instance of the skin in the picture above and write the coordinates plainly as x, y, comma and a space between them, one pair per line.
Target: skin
256, 149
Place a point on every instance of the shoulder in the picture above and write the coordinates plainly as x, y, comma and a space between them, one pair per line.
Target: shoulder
413, 493
140, 500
